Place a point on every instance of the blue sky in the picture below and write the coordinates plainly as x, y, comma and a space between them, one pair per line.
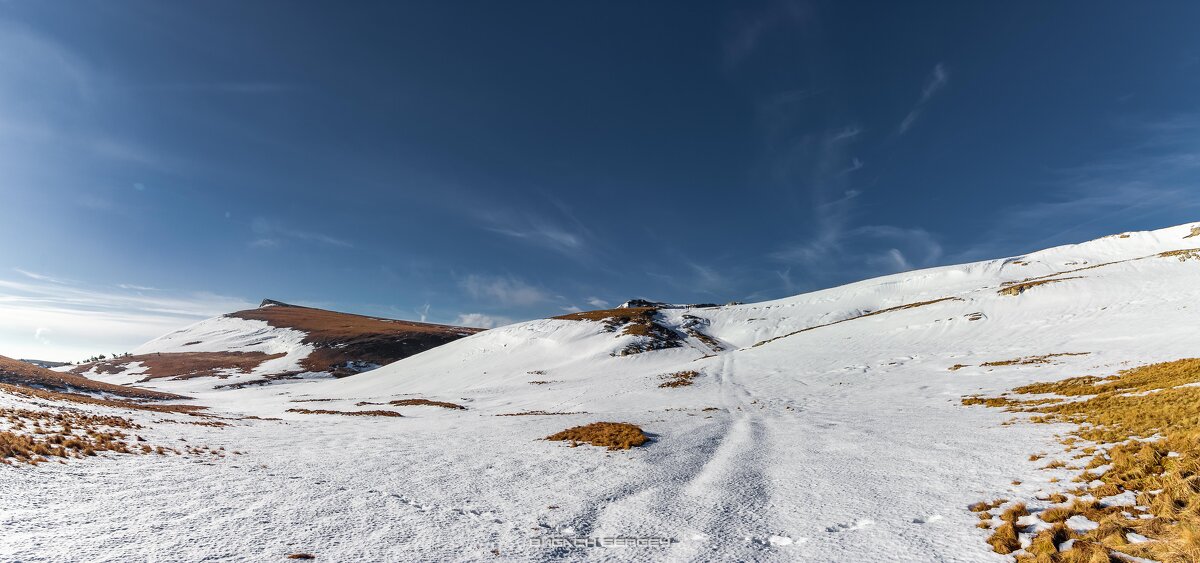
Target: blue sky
483, 162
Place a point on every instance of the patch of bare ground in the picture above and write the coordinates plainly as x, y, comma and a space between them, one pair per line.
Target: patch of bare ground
301, 556
539, 413
1031, 360
426, 403
678, 379
183, 365
344, 343
1017, 288
21, 374
864, 315
91, 400
542, 382
347, 413
1195, 232
1183, 255
633, 321
1145, 424
611, 435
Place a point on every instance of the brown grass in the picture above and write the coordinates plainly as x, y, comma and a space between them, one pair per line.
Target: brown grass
1195, 232
90, 400
425, 402
347, 413
864, 315
678, 379
301, 556
1182, 255
611, 435
36, 435
183, 365
633, 321
21, 374
1043, 359
1146, 422
539, 413
1021, 287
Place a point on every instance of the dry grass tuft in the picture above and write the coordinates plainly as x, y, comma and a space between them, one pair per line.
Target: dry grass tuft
426, 402
611, 435
678, 379
301, 556
347, 413
1195, 232
1004, 539
1021, 287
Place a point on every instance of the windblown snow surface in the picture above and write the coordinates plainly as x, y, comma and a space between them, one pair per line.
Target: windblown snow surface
847, 442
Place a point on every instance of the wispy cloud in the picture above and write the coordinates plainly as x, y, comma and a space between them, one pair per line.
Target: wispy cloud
51, 318
504, 290
749, 30
559, 231
1153, 176
271, 233
938, 78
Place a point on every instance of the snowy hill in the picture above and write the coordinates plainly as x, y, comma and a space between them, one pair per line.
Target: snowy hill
272, 342
828, 426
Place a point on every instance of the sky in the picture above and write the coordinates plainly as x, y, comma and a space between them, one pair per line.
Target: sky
483, 163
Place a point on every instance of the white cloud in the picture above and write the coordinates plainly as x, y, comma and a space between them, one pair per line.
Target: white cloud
84, 320
504, 290
597, 302
270, 232
481, 320
938, 78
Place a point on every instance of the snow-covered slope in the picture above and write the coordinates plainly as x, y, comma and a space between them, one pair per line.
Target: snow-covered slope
826, 426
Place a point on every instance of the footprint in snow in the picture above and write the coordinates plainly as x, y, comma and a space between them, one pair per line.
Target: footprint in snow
844, 527
928, 519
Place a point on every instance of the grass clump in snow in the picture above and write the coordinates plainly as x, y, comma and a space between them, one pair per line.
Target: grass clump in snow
1145, 424
1195, 232
633, 321
426, 402
678, 379
33, 436
347, 413
611, 435
1031, 360
1022, 287
1183, 255
539, 413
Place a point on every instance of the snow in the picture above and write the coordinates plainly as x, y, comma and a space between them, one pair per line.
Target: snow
842, 443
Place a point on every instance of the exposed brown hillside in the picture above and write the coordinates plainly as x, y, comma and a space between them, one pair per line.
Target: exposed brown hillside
181, 364
21, 374
343, 339
344, 344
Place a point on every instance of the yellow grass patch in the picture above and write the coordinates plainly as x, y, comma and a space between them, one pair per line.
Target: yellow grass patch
611, 435
1145, 423
1195, 232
